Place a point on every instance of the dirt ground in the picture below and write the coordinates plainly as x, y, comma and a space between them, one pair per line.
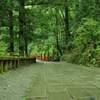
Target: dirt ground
15, 84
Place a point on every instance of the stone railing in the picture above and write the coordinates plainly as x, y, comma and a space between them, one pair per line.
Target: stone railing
9, 63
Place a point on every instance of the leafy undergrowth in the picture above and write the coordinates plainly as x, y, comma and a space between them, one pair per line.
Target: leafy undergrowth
89, 58
86, 50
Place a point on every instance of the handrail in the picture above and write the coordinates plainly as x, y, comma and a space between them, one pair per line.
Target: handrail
40, 57
9, 63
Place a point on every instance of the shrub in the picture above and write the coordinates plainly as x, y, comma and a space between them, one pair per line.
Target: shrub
88, 30
3, 48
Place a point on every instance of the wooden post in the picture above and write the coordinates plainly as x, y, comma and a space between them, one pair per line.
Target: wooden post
14, 64
48, 58
41, 56
34, 60
18, 63
10, 65
44, 57
6, 66
1, 67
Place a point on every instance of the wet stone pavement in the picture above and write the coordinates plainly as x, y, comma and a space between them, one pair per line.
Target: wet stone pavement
51, 81
64, 81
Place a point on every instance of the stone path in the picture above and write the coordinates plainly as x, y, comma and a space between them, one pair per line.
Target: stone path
64, 81
15, 83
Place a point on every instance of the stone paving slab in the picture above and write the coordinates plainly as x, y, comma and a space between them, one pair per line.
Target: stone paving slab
98, 86
51, 76
78, 92
53, 81
50, 84
55, 88
64, 81
37, 93
92, 89
59, 96
36, 99
95, 82
39, 83
71, 85
62, 76
85, 84
79, 81
40, 79
85, 99
96, 94
88, 78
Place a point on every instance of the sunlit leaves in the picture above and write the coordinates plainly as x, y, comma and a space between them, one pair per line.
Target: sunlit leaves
3, 48
86, 32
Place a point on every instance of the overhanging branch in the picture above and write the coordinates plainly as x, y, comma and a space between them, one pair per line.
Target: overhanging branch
43, 3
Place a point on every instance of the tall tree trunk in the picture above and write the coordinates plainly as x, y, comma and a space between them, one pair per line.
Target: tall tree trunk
76, 14
57, 33
21, 23
26, 44
97, 11
67, 33
25, 38
59, 49
26, 51
11, 33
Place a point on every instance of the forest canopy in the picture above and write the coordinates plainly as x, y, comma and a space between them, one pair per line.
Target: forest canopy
40, 26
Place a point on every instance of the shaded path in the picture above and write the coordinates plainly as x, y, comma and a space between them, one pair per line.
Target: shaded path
14, 84
64, 81
51, 81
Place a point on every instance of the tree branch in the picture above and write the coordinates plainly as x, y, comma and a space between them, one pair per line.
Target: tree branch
42, 3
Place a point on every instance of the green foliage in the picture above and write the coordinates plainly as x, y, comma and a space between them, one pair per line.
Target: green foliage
3, 48
39, 28
70, 45
63, 57
47, 96
25, 98
87, 32
93, 60
29, 87
71, 58
30, 47
34, 51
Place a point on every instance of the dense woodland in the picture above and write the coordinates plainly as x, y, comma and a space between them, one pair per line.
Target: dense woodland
70, 28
